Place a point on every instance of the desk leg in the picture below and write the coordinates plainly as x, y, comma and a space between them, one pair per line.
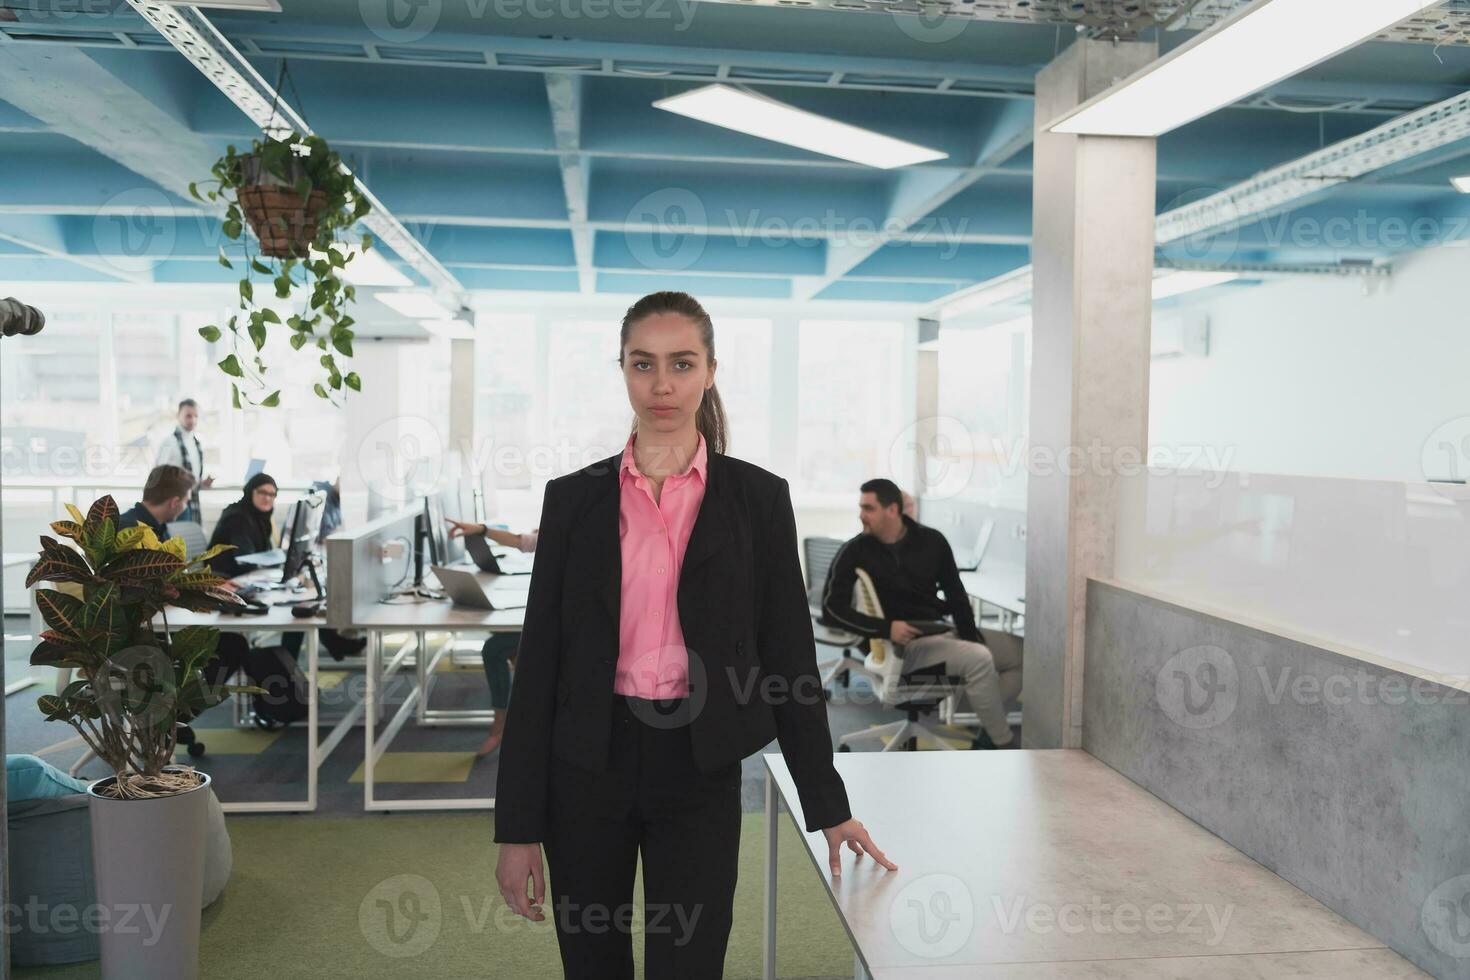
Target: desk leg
370, 714
313, 746
859, 972
421, 669
772, 824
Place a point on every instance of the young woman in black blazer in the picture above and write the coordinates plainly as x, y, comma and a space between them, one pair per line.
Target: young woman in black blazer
597, 775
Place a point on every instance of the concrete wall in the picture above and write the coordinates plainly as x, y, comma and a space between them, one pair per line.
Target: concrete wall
1348, 778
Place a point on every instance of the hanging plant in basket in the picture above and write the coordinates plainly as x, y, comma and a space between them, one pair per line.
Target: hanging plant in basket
301, 205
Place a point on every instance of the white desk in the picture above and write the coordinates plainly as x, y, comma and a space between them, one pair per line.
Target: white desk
279, 618
420, 618
1040, 864
1001, 585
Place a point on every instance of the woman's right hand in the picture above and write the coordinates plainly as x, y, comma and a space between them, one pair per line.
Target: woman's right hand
519, 863
458, 529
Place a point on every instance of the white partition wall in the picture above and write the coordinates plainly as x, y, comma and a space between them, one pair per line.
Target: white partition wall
1380, 568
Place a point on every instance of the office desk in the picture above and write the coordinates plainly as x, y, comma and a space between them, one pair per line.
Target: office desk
279, 618
420, 618
1001, 585
1033, 864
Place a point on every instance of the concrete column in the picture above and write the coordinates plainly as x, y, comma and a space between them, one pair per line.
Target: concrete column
1092, 256
462, 446
926, 418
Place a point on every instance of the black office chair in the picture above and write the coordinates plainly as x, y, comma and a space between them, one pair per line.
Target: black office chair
819, 554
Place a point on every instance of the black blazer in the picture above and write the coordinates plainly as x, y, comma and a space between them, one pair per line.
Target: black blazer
743, 610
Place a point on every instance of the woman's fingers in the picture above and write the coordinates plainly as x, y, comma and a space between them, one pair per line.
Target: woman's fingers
853, 846
834, 858
871, 848
538, 886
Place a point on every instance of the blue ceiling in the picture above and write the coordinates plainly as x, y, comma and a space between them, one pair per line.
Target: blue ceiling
445, 114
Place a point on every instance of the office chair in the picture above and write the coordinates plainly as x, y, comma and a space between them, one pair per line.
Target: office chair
916, 694
819, 554
192, 533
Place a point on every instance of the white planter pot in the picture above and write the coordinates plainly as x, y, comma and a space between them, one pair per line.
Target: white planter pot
148, 856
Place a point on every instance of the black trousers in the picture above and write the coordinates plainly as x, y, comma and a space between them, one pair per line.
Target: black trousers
686, 825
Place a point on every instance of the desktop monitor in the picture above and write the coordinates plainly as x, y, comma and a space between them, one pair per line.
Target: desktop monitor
302, 524
451, 504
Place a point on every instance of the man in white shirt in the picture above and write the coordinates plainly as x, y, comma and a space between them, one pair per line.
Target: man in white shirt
182, 449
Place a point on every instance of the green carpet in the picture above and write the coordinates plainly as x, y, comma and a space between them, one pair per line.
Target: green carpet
303, 901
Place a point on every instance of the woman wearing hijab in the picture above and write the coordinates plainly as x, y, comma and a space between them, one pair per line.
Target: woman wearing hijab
246, 524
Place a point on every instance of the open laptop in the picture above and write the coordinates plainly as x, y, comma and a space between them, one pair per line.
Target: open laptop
485, 559
465, 590
969, 561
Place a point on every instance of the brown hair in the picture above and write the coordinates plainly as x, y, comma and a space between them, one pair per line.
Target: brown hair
710, 420
167, 482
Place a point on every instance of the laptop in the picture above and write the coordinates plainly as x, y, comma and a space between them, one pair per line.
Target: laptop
485, 559
969, 561
464, 589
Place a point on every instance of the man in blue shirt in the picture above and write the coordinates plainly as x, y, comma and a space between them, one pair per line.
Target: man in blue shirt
165, 496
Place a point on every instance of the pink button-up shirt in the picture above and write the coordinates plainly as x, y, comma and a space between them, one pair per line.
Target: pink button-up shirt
652, 660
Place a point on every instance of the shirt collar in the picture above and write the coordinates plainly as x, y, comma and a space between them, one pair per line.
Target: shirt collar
629, 468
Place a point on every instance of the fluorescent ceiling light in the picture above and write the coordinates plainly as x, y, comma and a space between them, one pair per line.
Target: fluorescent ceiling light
421, 306
1266, 42
1179, 281
367, 268
266, 6
757, 115
1462, 184
450, 329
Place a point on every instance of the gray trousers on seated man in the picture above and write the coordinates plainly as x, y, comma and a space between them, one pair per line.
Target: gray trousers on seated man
992, 678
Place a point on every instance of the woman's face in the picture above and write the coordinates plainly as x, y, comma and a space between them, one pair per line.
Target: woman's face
667, 369
264, 497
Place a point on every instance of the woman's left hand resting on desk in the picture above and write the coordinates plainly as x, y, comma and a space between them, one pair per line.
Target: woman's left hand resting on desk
856, 835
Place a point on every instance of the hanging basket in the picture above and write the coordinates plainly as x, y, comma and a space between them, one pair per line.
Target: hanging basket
285, 224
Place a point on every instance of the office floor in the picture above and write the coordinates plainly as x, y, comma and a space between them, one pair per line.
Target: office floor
424, 763
351, 852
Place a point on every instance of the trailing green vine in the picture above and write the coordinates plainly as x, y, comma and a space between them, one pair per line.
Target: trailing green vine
290, 171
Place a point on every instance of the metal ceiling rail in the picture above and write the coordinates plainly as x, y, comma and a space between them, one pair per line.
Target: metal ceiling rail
192, 34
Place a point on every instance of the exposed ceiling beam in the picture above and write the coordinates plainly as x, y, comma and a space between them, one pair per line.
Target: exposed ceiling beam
564, 93
918, 192
193, 36
44, 235
1293, 184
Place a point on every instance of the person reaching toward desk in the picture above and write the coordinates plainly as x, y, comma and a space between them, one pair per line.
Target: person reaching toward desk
908, 564
498, 654
666, 638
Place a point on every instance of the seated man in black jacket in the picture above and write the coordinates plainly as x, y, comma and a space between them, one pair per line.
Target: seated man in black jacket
908, 564
165, 496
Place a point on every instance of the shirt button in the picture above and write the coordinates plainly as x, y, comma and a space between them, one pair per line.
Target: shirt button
655, 614
660, 569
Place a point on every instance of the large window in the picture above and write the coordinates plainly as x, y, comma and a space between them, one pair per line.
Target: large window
851, 410
983, 377
743, 375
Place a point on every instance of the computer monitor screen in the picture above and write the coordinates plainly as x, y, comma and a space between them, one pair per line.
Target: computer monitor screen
451, 504
433, 518
303, 522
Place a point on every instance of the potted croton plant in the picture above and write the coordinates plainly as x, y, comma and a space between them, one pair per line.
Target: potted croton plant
106, 620
301, 203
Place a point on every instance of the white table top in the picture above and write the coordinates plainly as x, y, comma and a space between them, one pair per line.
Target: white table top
1033, 863
998, 584
20, 558
441, 614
